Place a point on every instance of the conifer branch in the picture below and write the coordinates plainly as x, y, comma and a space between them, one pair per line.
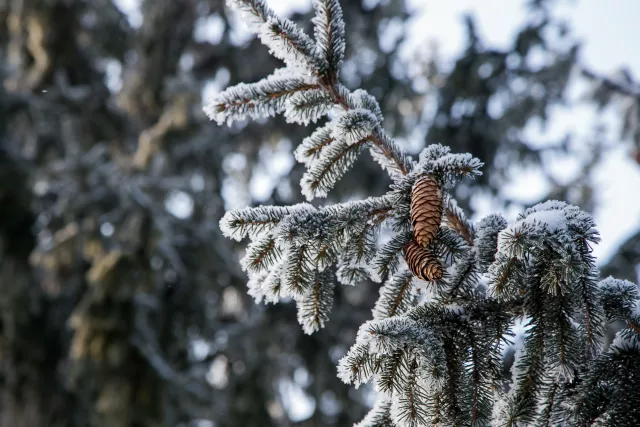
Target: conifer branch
397, 160
457, 221
438, 360
395, 296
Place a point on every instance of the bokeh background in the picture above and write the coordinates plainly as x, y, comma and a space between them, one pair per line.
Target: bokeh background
121, 305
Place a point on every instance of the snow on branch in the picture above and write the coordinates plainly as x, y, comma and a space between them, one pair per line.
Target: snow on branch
314, 306
311, 147
308, 106
329, 34
267, 97
354, 125
334, 161
254, 222
568, 225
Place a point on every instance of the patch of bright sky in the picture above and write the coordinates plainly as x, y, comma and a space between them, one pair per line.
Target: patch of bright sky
131, 9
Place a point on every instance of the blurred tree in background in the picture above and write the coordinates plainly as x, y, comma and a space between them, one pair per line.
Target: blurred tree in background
120, 302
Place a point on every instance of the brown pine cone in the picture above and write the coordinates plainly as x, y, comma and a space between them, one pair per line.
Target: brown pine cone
426, 210
422, 262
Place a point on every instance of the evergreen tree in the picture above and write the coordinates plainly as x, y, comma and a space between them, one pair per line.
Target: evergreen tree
453, 289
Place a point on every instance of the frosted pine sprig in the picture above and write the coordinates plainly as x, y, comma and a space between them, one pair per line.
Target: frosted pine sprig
254, 12
361, 99
311, 147
396, 296
315, 305
354, 126
289, 43
253, 222
334, 161
329, 34
308, 106
379, 415
265, 98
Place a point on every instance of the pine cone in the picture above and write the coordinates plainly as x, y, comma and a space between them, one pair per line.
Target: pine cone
426, 210
422, 262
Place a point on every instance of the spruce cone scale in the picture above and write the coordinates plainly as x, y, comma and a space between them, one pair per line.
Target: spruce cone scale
426, 210
422, 262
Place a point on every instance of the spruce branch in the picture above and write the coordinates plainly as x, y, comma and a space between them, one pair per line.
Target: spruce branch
397, 162
253, 222
266, 287
315, 305
329, 35
395, 296
457, 221
388, 259
332, 164
379, 415
265, 98
307, 106
359, 365
408, 409
262, 254
311, 147
298, 270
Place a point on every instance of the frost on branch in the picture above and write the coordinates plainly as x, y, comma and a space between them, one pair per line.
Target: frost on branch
262, 254
315, 304
362, 100
312, 146
486, 240
254, 12
253, 222
354, 126
308, 106
395, 296
379, 415
289, 43
437, 349
268, 97
334, 161
389, 257
329, 34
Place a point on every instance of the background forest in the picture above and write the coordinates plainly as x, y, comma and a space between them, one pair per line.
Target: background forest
122, 305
